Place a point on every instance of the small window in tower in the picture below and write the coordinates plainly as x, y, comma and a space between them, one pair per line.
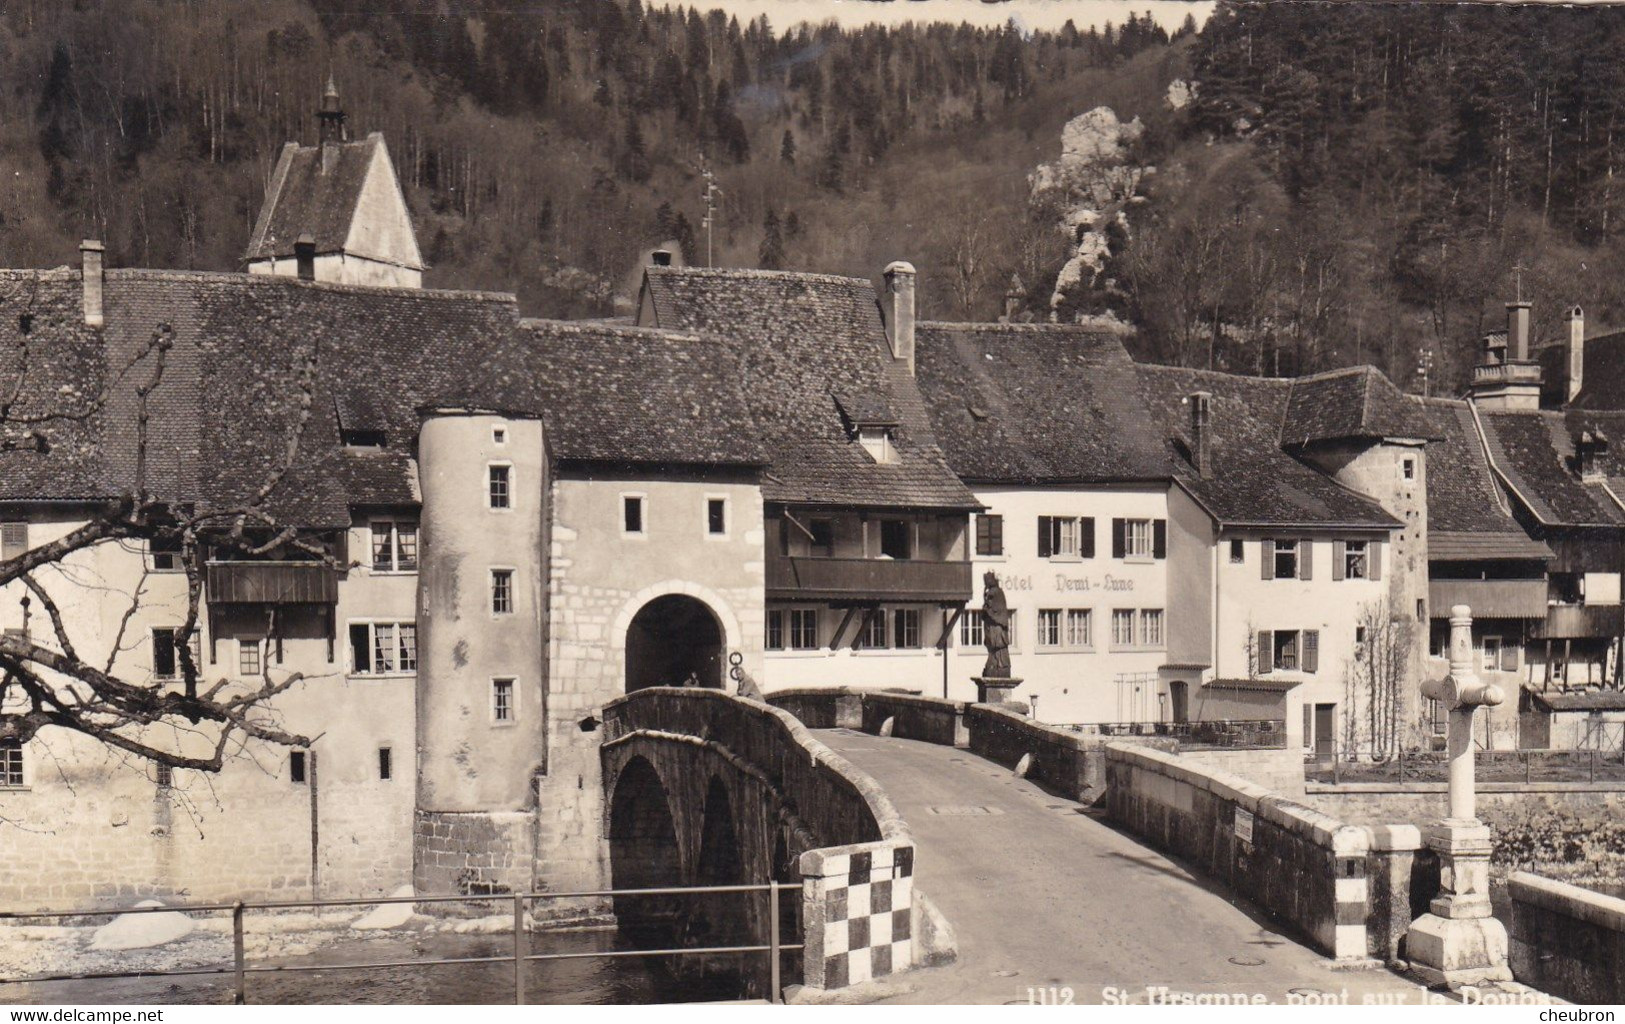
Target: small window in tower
1410, 469
386, 764
296, 766
501, 486
502, 591
499, 435
716, 517
632, 514
503, 708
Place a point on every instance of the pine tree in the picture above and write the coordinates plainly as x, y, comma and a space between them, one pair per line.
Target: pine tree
683, 231
665, 222
634, 163
787, 148
792, 226
771, 254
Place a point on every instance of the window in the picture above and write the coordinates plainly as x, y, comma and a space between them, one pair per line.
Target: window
631, 514
896, 538
877, 442
1066, 537
1238, 552
166, 661
775, 630
1137, 538
164, 554
873, 631
716, 517
1049, 627
249, 662
1151, 627
1359, 635
1122, 627
803, 628
970, 629
502, 591
1499, 656
394, 546
1409, 469
1354, 560
905, 630
823, 537
296, 766
1285, 559
1080, 627
380, 648
501, 485
502, 700
989, 534
13, 539
164, 776
1284, 656
499, 435
1421, 610
11, 765
386, 765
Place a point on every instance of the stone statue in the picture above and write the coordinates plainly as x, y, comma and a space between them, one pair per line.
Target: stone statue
995, 628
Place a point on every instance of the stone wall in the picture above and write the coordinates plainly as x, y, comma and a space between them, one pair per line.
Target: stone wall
1574, 830
1567, 941
1280, 771
1301, 866
930, 719
472, 853
820, 708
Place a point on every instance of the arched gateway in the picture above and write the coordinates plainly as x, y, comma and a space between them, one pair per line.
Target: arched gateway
674, 640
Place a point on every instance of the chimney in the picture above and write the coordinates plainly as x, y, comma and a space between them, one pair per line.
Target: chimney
1201, 433
660, 258
90, 254
1518, 331
1588, 446
897, 309
1576, 351
304, 257
330, 117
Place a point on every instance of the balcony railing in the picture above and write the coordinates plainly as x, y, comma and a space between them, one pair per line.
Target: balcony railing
1490, 599
271, 583
1577, 621
867, 579
1516, 372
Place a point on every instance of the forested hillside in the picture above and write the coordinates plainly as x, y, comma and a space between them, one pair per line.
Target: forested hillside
1293, 187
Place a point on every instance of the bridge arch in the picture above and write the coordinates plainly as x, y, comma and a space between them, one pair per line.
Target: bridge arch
644, 851
670, 630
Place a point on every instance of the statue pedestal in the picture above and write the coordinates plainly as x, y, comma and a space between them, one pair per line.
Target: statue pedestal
1457, 942
994, 689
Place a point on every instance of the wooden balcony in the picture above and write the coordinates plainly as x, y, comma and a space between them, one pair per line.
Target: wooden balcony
1489, 599
1578, 621
271, 583
867, 579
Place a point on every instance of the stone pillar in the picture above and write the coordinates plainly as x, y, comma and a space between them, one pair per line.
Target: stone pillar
1457, 942
994, 689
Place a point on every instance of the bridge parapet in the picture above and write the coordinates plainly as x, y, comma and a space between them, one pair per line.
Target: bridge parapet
795, 810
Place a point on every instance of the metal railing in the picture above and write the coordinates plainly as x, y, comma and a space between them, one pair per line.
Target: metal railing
1514, 766
1264, 733
241, 968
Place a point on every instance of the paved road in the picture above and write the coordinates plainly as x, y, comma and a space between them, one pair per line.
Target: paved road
1044, 894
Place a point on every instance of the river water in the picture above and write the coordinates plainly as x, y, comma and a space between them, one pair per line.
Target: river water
583, 981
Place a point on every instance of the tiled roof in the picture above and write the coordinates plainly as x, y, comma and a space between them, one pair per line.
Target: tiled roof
624, 394
1603, 373
1018, 403
1253, 481
1535, 452
800, 339
1354, 403
1585, 700
1463, 495
303, 198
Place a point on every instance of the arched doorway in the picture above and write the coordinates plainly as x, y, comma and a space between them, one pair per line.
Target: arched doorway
674, 640
643, 854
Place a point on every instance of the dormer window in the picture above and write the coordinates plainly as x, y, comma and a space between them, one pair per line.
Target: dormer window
1589, 448
363, 438
877, 441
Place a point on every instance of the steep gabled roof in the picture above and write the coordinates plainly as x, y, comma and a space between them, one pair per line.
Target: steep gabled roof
631, 395
1037, 403
1253, 481
1602, 377
799, 340
1468, 518
306, 197
1357, 403
1534, 452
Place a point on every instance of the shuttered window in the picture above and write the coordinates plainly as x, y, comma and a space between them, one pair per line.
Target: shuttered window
13, 539
989, 534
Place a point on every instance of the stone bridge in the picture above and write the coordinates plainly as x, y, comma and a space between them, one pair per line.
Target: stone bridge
1050, 852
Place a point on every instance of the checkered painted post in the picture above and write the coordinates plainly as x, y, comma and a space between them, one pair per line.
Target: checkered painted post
857, 906
1352, 894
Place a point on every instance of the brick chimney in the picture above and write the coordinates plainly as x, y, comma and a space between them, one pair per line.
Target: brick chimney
1202, 433
897, 309
1575, 351
90, 255
304, 256
1518, 330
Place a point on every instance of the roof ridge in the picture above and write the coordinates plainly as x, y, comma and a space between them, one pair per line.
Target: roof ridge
289, 281
777, 275
598, 327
